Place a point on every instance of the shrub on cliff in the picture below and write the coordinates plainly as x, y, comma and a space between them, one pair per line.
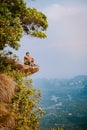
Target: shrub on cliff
19, 103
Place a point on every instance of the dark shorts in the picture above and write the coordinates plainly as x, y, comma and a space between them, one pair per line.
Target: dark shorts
27, 63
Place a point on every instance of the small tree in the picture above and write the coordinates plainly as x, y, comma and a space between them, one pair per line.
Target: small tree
16, 19
26, 113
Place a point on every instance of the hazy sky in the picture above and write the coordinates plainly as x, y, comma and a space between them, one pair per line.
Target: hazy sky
63, 54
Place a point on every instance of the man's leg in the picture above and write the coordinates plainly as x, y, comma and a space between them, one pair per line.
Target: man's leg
32, 61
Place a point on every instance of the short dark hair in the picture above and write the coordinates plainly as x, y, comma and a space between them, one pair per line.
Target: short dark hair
27, 53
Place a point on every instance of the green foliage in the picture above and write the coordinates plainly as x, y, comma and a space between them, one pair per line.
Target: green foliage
39, 34
56, 129
13, 73
7, 60
34, 21
24, 107
25, 110
16, 18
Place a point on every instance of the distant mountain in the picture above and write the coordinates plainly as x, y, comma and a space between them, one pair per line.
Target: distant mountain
65, 103
81, 80
80, 77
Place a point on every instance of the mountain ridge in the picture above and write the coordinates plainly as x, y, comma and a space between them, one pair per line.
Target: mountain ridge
65, 103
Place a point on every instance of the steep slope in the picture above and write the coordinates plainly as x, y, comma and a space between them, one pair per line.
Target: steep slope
7, 92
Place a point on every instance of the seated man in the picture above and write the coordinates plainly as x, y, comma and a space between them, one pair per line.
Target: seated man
28, 60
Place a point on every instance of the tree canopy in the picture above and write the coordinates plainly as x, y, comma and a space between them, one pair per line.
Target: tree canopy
17, 19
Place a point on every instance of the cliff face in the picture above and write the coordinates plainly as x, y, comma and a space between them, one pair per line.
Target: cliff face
7, 92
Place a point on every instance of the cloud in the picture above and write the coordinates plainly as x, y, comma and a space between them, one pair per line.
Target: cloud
56, 11
68, 41
68, 26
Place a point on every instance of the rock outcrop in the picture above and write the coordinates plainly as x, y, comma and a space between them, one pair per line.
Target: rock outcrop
19, 66
26, 69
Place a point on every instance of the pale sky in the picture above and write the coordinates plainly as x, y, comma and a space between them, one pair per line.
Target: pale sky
63, 54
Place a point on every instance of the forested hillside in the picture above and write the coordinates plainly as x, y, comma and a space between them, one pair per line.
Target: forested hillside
65, 103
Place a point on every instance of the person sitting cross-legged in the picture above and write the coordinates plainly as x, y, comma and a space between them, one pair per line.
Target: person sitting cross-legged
28, 60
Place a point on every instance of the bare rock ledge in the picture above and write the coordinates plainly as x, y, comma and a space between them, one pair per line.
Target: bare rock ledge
26, 69
19, 66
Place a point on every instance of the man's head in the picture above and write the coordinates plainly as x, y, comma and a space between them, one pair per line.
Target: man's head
27, 53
